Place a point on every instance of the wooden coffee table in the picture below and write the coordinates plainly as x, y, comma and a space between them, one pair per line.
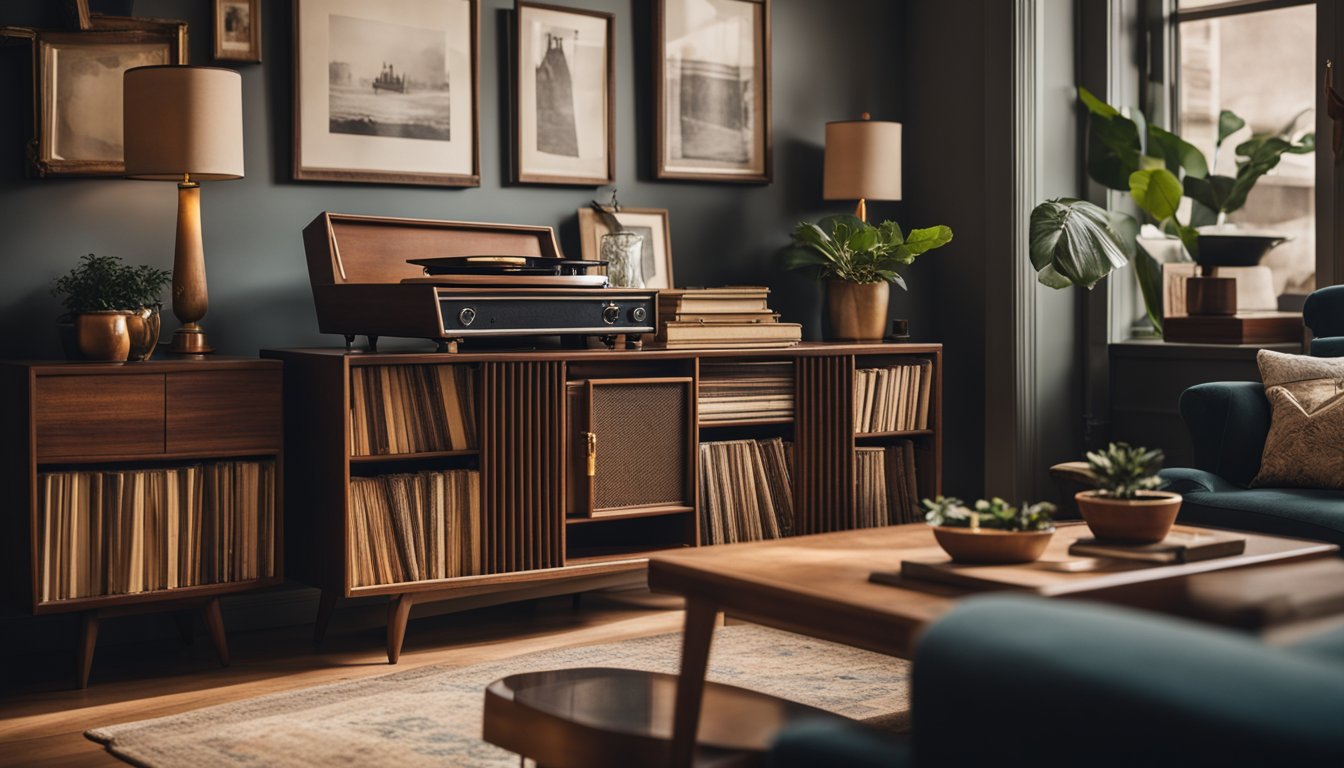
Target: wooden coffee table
819, 586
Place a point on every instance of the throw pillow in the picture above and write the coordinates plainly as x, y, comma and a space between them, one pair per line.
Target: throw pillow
1305, 446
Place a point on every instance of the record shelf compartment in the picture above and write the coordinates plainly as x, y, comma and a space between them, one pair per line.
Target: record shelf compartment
541, 520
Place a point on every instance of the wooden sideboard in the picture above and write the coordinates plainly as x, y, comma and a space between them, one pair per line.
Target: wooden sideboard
140, 487
528, 459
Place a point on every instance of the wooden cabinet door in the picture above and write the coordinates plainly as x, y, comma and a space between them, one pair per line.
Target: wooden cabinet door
98, 415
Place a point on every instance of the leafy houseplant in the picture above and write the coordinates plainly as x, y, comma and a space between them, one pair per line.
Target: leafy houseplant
992, 531
112, 305
1127, 505
1074, 242
858, 261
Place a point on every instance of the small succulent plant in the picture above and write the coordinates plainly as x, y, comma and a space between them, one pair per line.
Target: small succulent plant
994, 513
1123, 471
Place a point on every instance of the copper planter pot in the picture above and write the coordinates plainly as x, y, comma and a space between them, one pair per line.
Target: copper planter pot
1143, 520
143, 327
103, 336
988, 546
857, 311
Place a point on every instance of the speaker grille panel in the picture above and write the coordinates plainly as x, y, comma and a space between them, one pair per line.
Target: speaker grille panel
642, 432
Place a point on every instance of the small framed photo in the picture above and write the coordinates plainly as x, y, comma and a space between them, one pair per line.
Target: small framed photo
387, 92
78, 94
564, 96
238, 30
711, 62
648, 223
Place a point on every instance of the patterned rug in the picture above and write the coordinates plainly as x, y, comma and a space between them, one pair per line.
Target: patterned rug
431, 716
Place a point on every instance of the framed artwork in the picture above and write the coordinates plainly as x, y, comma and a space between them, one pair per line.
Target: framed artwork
711, 62
238, 30
386, 92
564, 96
78, 92
650, 224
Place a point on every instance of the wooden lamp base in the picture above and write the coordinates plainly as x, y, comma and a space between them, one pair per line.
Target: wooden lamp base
189, 296
1211, 295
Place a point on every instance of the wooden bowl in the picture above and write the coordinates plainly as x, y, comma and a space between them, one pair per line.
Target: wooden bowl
986, 546
1142, 520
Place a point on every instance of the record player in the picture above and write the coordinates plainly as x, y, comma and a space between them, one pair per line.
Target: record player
450, 281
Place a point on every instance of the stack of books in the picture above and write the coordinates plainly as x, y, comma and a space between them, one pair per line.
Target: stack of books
415, 527
722, 318
412, 409
746, 490
745, 391
894, 398
118, 533
886, 488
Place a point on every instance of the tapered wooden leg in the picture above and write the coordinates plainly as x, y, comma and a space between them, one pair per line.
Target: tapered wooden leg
398, 612
695, 642
186, 626
214, 621
88, 639
325, 607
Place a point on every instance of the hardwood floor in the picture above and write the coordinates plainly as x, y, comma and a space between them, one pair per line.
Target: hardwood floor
41, 726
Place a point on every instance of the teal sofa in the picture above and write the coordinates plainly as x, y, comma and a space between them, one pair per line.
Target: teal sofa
1010, 680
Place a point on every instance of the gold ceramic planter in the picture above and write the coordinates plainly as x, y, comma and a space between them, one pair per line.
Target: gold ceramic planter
143, 327
103, 336
857, 311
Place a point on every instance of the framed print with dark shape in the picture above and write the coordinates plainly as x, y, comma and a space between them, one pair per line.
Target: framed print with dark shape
238, 30
565, 89
649, 223
712, 90
386, 92
78, 93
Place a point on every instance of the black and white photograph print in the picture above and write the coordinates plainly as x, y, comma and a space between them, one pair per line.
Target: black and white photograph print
713, 89
387, 91
238, 30
565, 88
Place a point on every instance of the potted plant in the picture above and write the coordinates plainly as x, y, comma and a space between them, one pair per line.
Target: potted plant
111, 309
1074, 242
1127, 505
993, 532
858, 261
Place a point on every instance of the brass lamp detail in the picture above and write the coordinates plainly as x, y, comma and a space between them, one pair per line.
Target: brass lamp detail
863, 162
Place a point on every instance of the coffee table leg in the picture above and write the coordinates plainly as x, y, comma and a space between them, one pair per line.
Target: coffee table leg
699, 632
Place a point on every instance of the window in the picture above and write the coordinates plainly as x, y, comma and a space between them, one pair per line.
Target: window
1256, 59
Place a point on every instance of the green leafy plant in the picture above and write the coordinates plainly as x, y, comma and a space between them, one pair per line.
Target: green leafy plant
846, 248
1123, 471
1074, 242
102, 283
994, 513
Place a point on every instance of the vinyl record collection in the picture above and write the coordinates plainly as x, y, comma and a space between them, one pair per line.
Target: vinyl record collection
745, 391
415, 527
894, 398
412, 409
886, 486
126, 532
746, 490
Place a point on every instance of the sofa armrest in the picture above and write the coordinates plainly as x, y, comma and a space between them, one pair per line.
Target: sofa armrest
1227, 422
810, 743
1190, 480
1071, 683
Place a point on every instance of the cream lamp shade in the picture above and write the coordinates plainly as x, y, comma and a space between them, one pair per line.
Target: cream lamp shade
181, 120
863, 160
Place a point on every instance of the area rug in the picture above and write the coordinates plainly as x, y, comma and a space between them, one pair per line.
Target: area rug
431, 716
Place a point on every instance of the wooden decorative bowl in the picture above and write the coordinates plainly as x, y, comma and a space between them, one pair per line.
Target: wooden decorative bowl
1143, 520
986, 546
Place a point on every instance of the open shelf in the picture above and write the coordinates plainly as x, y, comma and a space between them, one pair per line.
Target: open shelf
589, 556
631, 514
388, 458
744, 423
897, 433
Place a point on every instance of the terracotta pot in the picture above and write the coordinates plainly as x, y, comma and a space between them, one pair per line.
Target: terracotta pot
1142, 520
103, 336
987, 546
143, 326
858, 312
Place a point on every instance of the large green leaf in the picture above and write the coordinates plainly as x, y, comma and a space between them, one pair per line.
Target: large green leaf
1228, 124
1114, 142
921, 241
1178, 154
1096, 106
1157, 191
1075, 241
1149, 273
1211, 191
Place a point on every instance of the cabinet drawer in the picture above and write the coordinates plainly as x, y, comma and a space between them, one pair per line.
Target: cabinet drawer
224, 411
104, 415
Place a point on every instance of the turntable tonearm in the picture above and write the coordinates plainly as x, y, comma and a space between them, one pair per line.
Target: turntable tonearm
449, 281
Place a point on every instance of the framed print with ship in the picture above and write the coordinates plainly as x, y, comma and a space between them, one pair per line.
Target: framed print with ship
711, 63
564, 96
386, 92
649, 223
238, 30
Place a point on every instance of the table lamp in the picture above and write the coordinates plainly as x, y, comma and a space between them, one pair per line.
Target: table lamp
184, 124
863, 162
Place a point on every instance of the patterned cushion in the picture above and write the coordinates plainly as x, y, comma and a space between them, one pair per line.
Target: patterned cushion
1305, 446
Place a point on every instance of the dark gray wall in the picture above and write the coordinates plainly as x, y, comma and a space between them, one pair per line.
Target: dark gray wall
831, 61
